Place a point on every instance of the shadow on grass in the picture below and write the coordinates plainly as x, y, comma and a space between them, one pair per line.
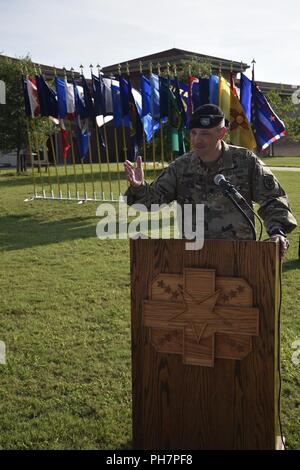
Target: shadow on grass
24, 231
43, 178
291, 265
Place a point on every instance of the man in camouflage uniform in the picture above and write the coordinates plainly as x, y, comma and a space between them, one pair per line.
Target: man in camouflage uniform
190, 180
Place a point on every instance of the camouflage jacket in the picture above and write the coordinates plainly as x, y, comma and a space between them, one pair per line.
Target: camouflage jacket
189, 180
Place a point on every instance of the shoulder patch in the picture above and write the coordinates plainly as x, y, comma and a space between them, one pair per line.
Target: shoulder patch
269, 182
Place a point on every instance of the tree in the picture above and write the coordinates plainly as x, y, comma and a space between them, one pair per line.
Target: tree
288, 112
14, 124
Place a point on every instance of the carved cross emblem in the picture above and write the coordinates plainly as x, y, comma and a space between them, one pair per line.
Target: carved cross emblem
201, 316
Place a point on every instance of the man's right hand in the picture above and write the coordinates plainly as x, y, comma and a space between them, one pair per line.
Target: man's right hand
134, 174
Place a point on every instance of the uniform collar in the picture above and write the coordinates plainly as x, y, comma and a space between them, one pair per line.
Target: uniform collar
223, 163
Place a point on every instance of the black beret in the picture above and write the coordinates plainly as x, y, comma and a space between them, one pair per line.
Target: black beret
206, 117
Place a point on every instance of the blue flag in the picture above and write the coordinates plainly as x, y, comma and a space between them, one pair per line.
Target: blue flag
246, 95
204, 90
146, 95
79, 103
88, 102
124, 96
47, 98
117, 110
214, 89
61, 97
83, 139
99, 103
155, 97
195, 95
164, 97
26, 97
266, 124
129, 108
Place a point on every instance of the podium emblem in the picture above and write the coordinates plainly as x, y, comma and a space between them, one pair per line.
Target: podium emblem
201, 316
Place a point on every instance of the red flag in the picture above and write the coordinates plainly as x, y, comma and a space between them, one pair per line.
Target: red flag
33, 97
64, 139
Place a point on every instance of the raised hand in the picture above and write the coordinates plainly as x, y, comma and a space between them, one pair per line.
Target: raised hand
134, 174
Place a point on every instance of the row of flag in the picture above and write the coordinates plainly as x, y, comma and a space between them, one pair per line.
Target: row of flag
252, 121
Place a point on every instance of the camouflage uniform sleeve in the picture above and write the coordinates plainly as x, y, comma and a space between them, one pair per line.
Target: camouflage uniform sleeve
160, 191
274, 205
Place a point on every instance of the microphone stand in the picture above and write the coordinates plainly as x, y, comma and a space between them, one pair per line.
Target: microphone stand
227, 194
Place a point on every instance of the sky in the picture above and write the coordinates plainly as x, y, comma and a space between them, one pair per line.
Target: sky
66, 33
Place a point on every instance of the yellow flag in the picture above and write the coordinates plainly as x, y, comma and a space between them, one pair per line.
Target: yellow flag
241, 133
224, 97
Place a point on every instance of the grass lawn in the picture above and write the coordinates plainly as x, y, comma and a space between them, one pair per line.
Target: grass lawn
281, 161
65, 319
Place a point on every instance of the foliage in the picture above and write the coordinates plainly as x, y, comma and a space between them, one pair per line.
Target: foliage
13, 122
288, 112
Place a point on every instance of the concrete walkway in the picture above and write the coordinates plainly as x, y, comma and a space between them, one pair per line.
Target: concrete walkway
284, 168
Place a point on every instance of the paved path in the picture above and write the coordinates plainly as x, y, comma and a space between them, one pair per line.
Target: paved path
285, 168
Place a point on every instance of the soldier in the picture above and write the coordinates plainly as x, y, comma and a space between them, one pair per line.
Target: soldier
190, 179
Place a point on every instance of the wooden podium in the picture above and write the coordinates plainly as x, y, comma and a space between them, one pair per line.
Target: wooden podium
205, 345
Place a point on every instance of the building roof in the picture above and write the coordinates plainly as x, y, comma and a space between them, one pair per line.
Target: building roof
177, 56
47, 70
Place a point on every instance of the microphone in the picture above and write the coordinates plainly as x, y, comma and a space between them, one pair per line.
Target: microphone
227, 187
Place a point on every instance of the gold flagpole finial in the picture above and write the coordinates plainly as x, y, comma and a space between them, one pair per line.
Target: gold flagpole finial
98, 68
220, 68
175, 70
141, 67
127, 69
168, 68
119, 69
158, 68
150, 67
190, 70
81, 69
39, 69
72, 72
231, 66
91, 69
54, 70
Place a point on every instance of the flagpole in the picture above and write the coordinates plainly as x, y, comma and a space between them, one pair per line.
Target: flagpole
98, 144
144, 137
153, 136
31, 156
116, 147
30, 146
123, 127
66, 174
55, 164
38, 155
46, 149
81, 159
190, 102
54, 157
36, 148
161, 126
72, 145
106, 148
90, 150
252, 101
